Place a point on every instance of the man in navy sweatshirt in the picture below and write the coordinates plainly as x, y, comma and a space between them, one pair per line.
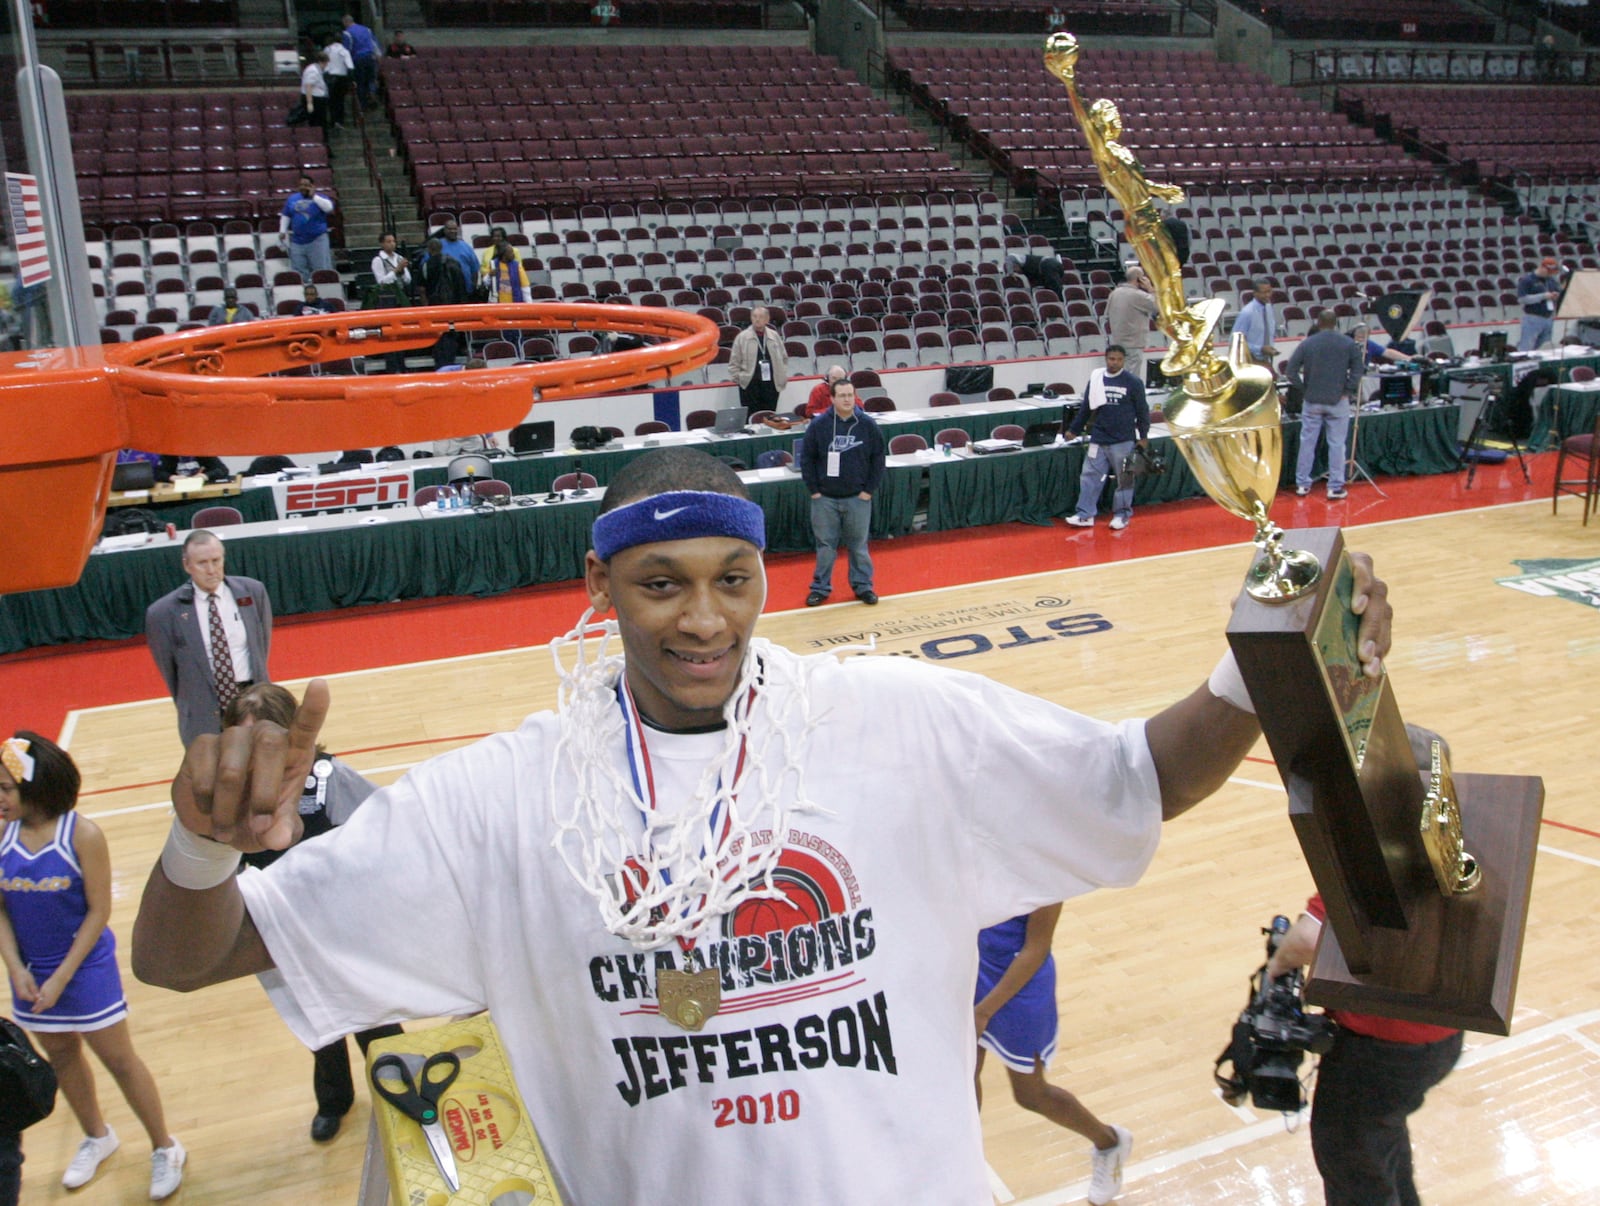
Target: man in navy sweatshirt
1114, 400
841, 460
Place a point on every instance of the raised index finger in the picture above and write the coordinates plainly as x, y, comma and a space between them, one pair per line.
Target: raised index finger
274, 806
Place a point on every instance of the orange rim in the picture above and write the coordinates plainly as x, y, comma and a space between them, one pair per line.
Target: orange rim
207, 389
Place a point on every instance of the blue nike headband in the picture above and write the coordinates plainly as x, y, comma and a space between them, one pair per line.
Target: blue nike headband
679, 515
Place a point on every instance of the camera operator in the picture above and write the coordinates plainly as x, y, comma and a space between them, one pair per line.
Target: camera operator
1375, 1075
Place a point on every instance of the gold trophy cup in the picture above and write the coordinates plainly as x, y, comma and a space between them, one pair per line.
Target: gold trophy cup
1225, 413
1419, 928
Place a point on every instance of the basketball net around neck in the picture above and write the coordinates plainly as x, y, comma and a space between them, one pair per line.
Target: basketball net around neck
660, 878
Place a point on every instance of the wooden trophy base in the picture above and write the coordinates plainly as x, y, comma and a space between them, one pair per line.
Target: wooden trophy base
1456, 963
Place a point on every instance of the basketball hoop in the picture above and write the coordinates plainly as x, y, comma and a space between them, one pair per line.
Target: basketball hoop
66, 412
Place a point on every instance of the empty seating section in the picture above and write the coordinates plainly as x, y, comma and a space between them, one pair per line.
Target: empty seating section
508, 126
886, 303
186, 157
1191, 119
1339, 250
1573, 206
717, 14
169, 278
1505, 130
1147, 17
1435, 20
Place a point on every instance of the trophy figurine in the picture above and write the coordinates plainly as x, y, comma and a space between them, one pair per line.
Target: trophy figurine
1418, 928
1225, 413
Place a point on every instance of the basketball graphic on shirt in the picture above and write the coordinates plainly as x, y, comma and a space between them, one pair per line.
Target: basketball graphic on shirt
809, 890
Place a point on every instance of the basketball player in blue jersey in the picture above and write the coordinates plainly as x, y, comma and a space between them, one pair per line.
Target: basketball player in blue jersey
55, 880
1016, 1018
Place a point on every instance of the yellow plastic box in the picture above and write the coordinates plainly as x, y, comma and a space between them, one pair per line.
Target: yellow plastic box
498, 1156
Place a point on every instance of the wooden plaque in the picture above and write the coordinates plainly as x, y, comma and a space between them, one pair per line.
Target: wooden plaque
1393, 945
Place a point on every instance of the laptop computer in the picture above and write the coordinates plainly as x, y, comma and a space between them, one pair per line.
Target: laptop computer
1039, 434
133, 475
539, 436
730, 421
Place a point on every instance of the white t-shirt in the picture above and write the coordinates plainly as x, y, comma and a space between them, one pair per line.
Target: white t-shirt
339, 60
946, 803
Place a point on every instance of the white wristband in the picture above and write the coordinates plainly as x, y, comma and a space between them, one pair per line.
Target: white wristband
1227, 684
194, 862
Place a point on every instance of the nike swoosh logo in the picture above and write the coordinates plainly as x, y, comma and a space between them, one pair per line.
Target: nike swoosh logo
671, 513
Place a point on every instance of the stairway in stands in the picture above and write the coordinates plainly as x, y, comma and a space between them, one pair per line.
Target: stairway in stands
1072, 242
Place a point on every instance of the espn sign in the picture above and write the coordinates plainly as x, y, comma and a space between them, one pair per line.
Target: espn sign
347, 494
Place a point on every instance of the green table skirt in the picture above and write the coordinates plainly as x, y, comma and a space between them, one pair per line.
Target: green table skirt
534, 474
1041, 485
1573, 413
484, 554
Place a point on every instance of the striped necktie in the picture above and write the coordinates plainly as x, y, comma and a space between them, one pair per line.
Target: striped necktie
221, 658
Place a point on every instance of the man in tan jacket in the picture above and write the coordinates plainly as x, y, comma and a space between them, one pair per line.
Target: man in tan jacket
758, 363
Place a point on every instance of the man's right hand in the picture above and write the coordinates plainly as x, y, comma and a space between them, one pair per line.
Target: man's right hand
243, 787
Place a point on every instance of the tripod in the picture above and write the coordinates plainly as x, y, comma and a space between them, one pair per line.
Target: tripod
1354, 469
1477, 440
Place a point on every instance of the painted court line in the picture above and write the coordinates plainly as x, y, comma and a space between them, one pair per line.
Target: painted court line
1577, 858
127, 809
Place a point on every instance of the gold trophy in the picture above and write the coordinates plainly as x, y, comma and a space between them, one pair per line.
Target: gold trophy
1418, 928
1225, 413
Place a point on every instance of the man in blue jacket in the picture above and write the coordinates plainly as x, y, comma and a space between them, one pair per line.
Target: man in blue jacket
1114, 398
363, 48
303, 229
841, 460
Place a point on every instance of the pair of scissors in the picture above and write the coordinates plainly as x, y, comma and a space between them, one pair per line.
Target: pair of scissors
418, 1099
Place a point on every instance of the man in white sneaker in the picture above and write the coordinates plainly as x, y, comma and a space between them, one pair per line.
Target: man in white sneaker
1327, 366
1114, 401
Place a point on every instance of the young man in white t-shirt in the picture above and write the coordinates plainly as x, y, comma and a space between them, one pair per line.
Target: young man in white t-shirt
720, 937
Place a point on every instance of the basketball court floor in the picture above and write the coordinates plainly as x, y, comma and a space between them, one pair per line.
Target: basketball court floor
1496, 640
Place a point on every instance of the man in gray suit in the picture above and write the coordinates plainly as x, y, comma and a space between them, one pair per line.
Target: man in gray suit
209, 637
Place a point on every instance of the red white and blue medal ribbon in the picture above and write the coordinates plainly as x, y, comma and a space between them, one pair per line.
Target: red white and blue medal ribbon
685, 998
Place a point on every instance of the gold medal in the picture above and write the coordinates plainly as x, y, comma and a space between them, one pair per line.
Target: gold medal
688, 999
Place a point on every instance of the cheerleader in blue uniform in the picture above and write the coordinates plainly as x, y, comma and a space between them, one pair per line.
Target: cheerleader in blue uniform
55, 881
1016, 1019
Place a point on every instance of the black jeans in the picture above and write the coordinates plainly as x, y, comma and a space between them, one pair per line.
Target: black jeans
338, 89
336, 1092
1366, 1088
